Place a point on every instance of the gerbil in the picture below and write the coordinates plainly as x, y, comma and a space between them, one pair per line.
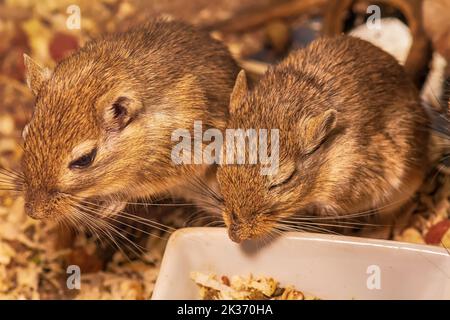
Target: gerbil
353, 137
101, 129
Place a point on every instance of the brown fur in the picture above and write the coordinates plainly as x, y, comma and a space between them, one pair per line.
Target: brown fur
170, 75
355, 104
443, 141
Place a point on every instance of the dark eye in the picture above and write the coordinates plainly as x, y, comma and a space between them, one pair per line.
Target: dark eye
83, 161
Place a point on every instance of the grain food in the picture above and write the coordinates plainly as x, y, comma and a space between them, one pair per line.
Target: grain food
212, 287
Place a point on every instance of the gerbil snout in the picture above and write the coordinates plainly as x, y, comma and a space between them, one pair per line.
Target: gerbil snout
240, 232
245, 228
31, 209
42, 205
235, 233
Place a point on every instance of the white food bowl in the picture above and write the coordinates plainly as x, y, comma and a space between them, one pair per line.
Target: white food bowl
327, 266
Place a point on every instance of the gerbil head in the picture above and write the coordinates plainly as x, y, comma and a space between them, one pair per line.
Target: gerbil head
83, 133
102, 124
255, 204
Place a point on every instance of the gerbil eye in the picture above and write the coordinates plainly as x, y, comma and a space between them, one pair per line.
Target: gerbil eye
83, 161
282, 181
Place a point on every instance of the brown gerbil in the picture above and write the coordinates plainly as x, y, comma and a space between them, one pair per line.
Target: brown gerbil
353, 137
101, 128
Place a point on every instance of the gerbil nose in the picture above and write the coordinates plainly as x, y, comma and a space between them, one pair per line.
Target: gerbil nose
235, 233
35, 205
29, 210
234, 236
36, 212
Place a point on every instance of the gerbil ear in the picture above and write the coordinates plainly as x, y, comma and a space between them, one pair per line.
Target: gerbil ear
35, 74
119, 114
239, 92
316, 129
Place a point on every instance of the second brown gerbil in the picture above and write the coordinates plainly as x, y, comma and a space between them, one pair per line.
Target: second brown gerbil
353, 138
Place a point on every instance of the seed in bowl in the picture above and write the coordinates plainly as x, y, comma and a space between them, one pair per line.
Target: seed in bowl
244, 288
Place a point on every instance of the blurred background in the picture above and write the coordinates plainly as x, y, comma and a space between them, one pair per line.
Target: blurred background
34, 255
